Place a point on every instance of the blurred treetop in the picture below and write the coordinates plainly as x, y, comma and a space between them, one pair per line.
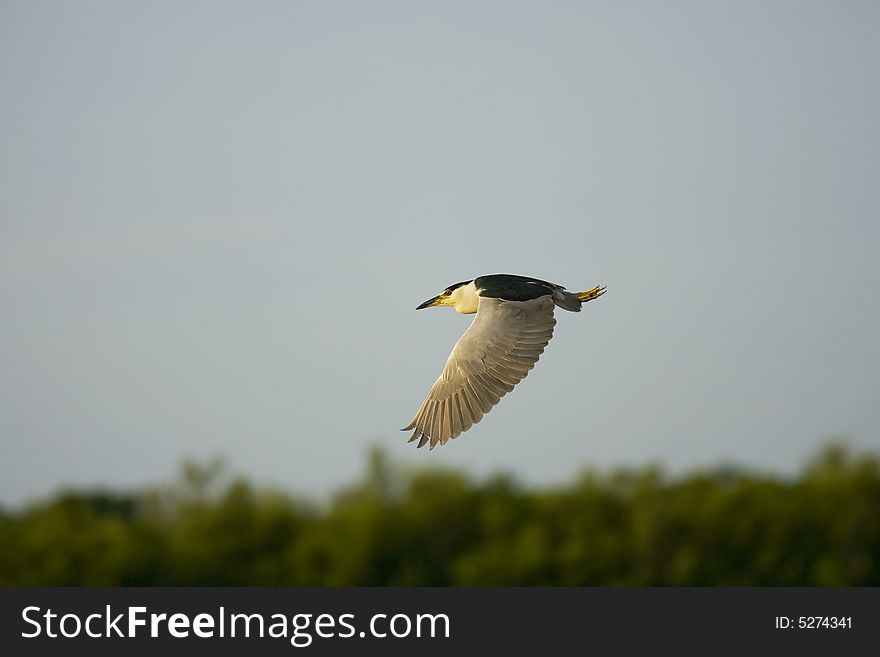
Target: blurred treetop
442, 528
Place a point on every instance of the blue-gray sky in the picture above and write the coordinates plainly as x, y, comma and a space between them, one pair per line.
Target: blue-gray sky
216, 220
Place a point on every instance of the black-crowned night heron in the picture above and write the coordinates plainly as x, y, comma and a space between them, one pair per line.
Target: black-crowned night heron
513, 325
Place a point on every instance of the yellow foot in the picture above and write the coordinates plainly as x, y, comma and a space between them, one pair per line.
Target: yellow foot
595, 293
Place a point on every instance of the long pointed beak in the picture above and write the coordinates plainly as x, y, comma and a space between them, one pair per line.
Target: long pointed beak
430, 302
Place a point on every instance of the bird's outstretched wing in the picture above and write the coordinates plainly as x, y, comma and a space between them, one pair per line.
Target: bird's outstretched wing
502, 344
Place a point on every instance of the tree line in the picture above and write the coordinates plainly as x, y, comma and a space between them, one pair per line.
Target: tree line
440, 527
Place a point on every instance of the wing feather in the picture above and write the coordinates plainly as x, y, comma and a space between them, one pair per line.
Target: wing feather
484, 401
456, 416
468, 415
492, 384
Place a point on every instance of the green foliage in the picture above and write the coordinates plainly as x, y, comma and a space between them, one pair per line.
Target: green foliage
440, 528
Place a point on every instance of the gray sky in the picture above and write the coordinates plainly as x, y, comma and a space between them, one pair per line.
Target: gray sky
216, 220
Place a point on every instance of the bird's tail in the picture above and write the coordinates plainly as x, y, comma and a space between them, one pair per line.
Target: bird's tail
573, 302
589, 295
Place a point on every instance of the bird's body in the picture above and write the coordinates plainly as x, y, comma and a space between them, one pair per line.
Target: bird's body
513, 325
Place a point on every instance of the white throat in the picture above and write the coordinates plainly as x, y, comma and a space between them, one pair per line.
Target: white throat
465, 299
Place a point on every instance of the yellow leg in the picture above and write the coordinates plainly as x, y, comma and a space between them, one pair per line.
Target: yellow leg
595, 293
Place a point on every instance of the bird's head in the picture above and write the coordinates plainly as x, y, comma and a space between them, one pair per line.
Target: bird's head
461, 296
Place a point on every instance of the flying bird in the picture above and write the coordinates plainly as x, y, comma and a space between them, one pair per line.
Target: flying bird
513, 325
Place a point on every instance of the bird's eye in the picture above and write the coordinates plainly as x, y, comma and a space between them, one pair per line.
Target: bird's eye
446, 293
